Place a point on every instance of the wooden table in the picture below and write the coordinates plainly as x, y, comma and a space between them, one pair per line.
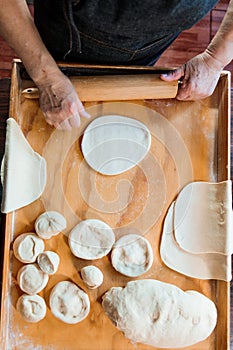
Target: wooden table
4, 105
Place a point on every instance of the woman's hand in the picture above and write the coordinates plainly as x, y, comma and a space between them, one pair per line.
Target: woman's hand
60, 103
58, 98
199, 77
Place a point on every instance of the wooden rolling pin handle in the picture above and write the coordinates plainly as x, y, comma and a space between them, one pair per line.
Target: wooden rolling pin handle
31, 93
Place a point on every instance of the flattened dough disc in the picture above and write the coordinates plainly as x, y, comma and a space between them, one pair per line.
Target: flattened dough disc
91, 239
132, 255
23, 171
69, 303
203, 218
113, 144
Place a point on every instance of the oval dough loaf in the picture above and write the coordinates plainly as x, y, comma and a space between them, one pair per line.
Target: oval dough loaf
48, 262
32, 279
92, 276
132, 255
49, 224
69, 303
31, 307
160, 314
27, 247
91, 239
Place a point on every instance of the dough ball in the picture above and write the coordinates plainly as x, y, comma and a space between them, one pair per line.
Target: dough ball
49, 224
132, 255
92, 276
91, 239
48, 262
27, 247
32, 279
69, 303
31, 307
160, 314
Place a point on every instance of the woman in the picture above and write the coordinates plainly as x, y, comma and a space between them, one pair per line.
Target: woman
109, 31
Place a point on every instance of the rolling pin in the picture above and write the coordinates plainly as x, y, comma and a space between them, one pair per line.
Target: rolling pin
118, 87
108, 83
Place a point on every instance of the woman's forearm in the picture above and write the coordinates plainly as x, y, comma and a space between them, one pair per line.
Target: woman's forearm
18, 29
221, 46
59, 101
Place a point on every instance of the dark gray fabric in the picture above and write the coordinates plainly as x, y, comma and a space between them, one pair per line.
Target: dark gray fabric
115, 31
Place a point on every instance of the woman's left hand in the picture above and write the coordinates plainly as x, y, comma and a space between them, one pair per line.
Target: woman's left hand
199, 77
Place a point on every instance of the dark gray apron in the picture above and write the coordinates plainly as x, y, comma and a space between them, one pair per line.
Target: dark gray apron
115, 31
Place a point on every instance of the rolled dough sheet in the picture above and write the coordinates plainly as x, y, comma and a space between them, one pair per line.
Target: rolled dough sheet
203, 266
203, 218
23, 171
113, 144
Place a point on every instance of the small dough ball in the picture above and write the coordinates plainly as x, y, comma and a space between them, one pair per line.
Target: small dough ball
49, 224
32, 279
31, 307
92, 276
69, 303
48, 262
91, 239
132, 255
27, 247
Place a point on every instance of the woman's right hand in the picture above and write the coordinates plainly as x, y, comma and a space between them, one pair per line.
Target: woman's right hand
60, 103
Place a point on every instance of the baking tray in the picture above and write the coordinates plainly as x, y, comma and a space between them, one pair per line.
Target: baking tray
190, 142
